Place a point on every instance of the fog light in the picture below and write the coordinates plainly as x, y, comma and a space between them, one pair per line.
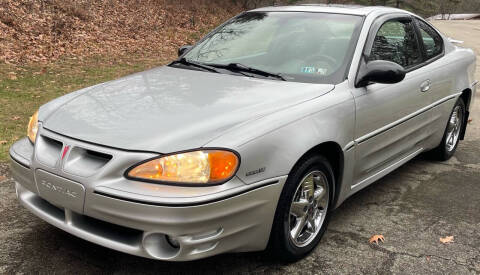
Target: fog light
160, 246
173, 242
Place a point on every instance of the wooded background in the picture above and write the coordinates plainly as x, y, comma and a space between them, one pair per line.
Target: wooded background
45, 30
422, 7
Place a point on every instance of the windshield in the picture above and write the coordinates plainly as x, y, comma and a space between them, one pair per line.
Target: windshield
299, 46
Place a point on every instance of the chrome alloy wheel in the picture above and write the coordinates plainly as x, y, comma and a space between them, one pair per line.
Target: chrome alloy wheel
453, 128
308, 208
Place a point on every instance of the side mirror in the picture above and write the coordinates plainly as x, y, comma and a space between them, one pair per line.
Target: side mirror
380, 71
183, 49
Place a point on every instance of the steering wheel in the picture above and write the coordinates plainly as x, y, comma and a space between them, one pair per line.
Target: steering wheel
325, 62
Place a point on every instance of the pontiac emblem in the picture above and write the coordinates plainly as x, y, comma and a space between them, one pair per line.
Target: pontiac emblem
65, 150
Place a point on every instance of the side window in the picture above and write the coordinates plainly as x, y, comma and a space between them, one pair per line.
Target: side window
432, 41
396, 41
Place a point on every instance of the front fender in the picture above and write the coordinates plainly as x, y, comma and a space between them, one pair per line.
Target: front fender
271, 146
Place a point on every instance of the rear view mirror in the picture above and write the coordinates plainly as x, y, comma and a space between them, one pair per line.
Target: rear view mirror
183, 49
380, 71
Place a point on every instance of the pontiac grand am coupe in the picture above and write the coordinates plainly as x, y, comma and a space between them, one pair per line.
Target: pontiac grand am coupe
251, 137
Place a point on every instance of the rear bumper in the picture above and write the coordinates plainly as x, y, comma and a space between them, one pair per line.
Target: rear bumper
237, 223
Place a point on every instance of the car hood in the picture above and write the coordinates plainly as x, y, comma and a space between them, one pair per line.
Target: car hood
169, 109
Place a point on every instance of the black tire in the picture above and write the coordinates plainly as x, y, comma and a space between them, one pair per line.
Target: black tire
280, 244
441, 153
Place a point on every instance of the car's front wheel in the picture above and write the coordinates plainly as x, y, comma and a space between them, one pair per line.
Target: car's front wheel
451, 136
302, 213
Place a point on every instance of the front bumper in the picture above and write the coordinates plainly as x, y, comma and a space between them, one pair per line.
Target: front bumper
218, 221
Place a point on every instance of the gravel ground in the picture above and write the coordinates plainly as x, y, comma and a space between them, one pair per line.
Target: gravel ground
412, 207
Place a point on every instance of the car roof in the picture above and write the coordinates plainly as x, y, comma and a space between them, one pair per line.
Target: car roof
332, 8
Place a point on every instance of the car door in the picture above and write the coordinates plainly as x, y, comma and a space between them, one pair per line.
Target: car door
441, 76
390, 125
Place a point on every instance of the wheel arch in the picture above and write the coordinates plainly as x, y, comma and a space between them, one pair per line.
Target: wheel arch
466, 96
332, 151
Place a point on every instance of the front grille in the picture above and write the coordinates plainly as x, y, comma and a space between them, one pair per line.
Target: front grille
83, 162
106, 230
48, 150
77, 160
48, 208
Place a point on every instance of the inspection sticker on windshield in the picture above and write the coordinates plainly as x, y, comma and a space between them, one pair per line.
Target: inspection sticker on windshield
313, 70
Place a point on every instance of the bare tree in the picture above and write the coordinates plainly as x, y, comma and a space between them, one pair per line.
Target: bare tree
422, 7
447, 7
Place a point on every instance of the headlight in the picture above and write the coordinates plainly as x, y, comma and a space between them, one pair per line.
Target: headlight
204, 167
33, 127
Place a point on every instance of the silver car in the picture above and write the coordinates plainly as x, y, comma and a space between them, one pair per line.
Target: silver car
251, 137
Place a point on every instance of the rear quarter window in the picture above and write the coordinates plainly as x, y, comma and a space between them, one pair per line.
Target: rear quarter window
432, 41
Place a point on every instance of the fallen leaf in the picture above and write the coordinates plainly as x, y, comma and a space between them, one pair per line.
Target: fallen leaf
428, 258
376, 238
3, 142
12, 76
448, 239
15, 118
2, 178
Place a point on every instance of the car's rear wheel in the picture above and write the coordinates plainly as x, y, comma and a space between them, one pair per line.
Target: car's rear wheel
302, 213
451, 136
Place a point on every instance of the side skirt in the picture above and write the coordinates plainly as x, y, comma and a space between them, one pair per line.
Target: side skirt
385, 171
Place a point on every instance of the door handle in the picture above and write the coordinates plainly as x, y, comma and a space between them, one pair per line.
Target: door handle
425, 86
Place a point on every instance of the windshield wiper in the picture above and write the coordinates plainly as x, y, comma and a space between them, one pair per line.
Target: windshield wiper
237, 67
187, 62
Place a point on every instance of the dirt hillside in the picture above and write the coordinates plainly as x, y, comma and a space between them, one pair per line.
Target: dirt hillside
45, 30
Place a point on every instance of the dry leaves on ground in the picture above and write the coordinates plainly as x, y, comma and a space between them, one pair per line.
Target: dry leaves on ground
376, 238
448, 239
2, 178
12, 76
2, 142
42, 31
